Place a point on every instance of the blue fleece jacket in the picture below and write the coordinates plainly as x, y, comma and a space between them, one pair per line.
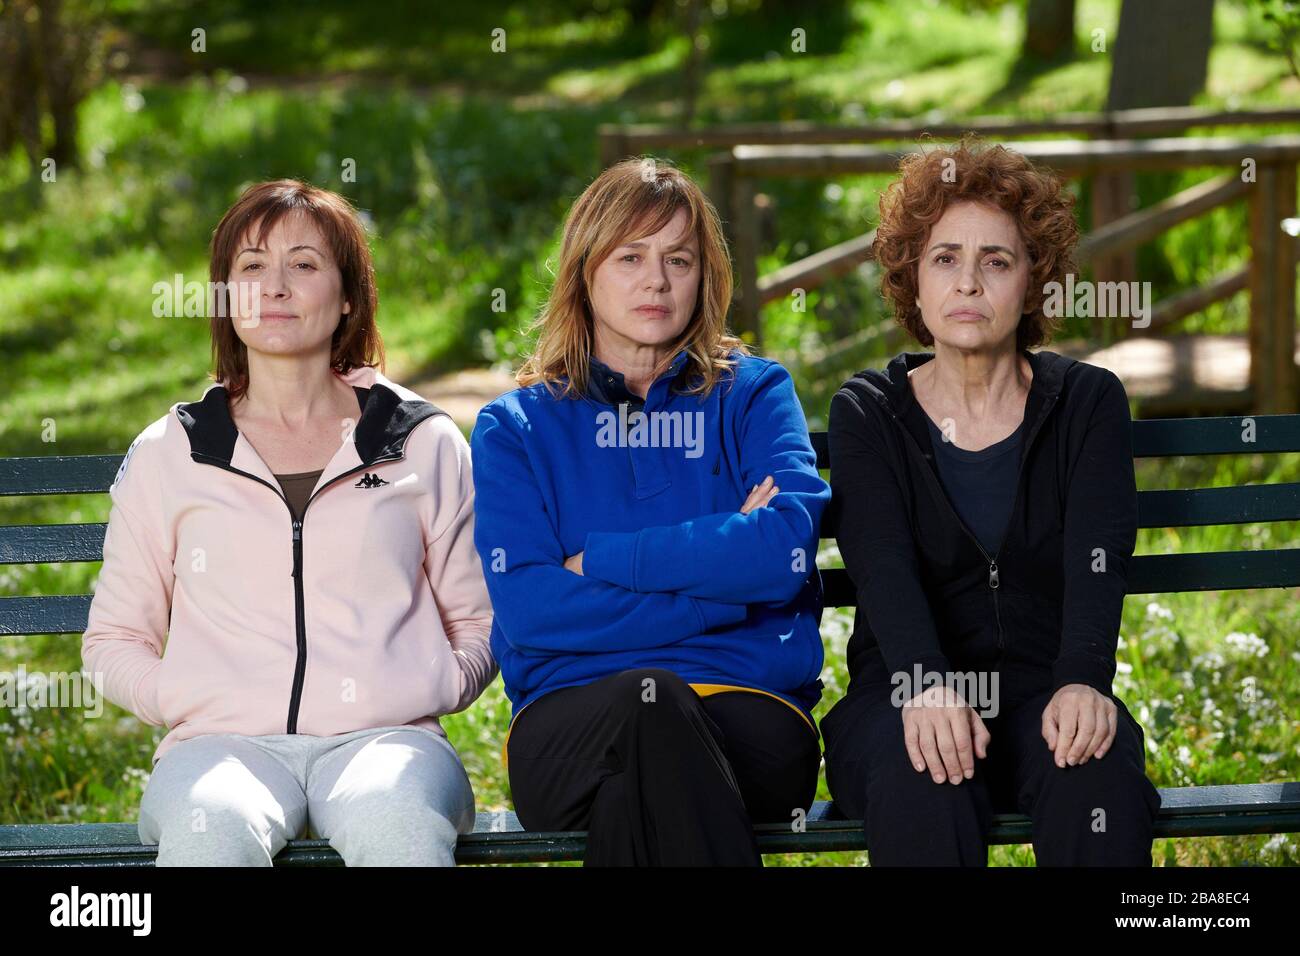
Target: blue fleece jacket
674, 576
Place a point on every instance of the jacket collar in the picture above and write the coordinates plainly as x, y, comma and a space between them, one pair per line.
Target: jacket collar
609, 387
891, 389
388, 415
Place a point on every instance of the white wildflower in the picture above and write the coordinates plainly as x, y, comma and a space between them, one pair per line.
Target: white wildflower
1247, 645
1157, 610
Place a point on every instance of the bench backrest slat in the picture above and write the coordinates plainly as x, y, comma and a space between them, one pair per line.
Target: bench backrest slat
1252, 434
1178, 508
1183, 508
61, 475
1157, 574
1214, 571
1149, 574
51, 543
51, 614
1167, 437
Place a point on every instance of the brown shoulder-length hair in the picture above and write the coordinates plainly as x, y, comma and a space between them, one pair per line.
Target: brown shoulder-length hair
636, 197
356, 341
933, 180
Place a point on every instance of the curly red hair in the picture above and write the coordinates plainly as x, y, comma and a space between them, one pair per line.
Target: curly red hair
930, 181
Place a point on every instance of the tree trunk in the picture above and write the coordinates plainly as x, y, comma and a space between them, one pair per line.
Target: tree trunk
1162, 53
1049, 29
61, 54
691, 76
1160, 58
24, 95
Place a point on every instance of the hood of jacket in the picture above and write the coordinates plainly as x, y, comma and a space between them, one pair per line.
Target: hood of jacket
388, 414
890, 389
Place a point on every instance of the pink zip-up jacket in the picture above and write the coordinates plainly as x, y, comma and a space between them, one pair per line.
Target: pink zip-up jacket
217, 612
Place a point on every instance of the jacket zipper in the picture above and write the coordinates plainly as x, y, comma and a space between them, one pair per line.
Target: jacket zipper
299, 598
300, 623
994, 577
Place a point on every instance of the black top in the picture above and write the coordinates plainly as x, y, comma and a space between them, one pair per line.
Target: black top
1046, 612
980, 484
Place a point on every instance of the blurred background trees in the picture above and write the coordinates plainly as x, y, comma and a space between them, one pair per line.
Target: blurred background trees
51, 54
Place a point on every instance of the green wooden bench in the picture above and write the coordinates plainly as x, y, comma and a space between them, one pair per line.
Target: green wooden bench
498, 838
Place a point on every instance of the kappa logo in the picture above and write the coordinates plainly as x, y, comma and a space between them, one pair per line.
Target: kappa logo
370, 481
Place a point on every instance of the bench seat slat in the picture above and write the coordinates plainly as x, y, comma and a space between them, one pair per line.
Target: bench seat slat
497, 836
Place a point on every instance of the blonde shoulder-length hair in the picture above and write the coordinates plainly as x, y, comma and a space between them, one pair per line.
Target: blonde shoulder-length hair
636, 197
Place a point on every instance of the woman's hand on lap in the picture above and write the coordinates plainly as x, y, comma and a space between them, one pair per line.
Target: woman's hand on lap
944, 734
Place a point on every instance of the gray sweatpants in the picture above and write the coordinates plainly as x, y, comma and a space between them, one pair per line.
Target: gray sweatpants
388, 796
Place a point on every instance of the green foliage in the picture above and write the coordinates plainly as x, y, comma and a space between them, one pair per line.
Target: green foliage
1283, 16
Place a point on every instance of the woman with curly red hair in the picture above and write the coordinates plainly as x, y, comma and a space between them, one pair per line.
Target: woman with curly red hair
986, 509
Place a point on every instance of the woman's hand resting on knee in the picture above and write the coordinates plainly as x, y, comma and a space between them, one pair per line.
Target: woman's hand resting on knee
944, 734
1079, 723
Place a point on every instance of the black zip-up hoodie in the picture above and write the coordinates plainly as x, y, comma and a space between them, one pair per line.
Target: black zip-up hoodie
1045, 610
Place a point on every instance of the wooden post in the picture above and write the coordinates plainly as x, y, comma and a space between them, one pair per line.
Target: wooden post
1273, 375
613, 145
721, 174
1113, 197
746, 307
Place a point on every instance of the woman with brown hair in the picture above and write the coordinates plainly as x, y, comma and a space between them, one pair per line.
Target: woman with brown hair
648, 514
289, 580
986, 510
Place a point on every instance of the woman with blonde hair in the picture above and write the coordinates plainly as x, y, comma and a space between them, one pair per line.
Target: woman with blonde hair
648, 511
289, 583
